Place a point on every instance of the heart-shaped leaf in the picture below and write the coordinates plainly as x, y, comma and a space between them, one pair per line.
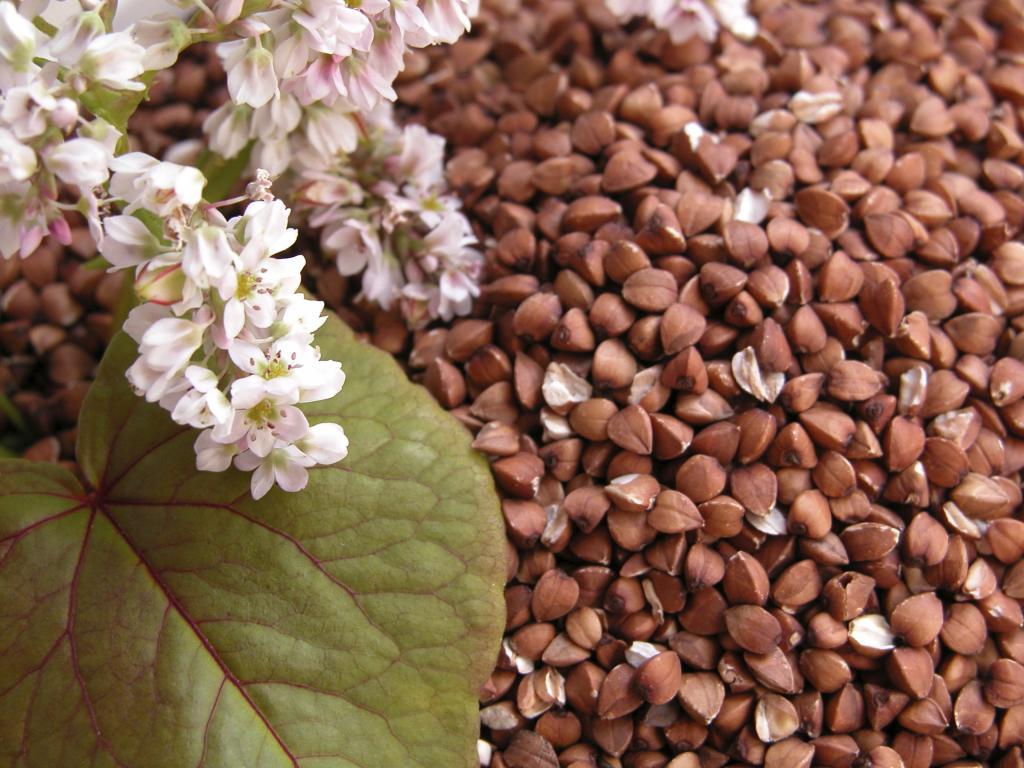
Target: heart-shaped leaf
166, 619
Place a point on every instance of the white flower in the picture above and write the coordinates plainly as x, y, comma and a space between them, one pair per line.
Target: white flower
330, 131
155, 384
290, 372
422, 158
291, 53
18, 38
162, 38
285, 465
212, 456
74, 37
17, 161
82, 162
734, 16
127, 242
145, 182
299, 315
143, 316
276, 119
625, 10
170, 343
382, 280
114, 60
448, 18
250, 292
228, 128
250, 68
204, 405
273, 155
207, 255
266, 229
227, 11
324, 443
27, 110
252, 281
261, 425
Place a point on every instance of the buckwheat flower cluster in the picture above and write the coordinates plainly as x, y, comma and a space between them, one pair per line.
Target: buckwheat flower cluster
47, 144
683, 19
225, 339
384, 211
336, 56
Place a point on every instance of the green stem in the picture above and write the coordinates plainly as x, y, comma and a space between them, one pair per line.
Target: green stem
126, 300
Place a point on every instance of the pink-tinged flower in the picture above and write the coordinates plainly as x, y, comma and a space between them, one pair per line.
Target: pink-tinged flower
683, 19
334, 28
365, 85
284, 465
291, 53
457, 291
250, 68
161, 285
355, 244
321, 81
412, 23
387, 57
449, 238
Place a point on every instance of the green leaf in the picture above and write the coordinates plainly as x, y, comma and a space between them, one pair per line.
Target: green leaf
114, 106
222, 173
166, 619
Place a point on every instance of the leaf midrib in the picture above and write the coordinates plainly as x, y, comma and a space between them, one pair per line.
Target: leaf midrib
204, 641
